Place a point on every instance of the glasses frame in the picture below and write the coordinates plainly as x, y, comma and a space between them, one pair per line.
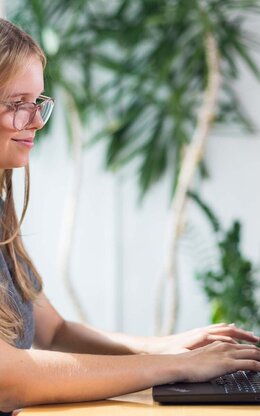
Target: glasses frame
15, 107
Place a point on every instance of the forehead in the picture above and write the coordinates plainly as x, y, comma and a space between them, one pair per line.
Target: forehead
29, 81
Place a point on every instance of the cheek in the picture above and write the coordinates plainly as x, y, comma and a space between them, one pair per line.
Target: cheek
6, 133
6, 124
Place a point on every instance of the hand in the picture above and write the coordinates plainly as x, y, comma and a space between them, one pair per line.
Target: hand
214, 360
199, 337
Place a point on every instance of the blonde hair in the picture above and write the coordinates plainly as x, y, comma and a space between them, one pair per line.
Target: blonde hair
16, 47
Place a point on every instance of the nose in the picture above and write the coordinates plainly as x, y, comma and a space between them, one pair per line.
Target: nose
37, 121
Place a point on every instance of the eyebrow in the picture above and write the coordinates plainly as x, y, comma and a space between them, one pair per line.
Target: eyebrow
22, 94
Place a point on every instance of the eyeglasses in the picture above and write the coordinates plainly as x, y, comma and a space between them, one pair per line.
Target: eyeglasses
24, 112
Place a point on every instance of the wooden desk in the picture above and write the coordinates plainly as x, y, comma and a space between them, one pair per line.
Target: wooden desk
139, 404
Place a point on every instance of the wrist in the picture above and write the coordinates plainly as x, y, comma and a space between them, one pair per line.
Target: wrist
167, 369
149, 345
154, 345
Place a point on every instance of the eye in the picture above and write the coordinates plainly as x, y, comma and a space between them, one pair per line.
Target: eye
16, 102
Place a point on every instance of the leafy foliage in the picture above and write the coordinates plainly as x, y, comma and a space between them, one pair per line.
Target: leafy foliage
142, 64
232, 288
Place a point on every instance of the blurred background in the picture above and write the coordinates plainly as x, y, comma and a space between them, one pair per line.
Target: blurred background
129, 81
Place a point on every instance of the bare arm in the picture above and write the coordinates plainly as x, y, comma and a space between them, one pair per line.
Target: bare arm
29, 377
54, 333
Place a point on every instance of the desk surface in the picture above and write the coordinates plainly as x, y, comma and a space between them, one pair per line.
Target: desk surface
139, 404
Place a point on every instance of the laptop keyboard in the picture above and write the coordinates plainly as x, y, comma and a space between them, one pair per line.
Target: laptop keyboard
241, 381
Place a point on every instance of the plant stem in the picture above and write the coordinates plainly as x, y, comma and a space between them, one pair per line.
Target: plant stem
193, 155
70, 209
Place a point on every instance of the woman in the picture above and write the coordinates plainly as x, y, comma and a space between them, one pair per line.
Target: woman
73, 362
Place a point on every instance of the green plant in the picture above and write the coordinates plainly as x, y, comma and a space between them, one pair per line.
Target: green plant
159, 74
231, 287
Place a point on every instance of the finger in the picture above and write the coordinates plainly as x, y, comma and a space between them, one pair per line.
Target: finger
247, 346
212, 326
210, 339
247, 365
234, 332
236, 346
246, 353
223, 338
226, 326
230, 348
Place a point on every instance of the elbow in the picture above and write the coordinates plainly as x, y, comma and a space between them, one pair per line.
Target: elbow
10, 398
13, 379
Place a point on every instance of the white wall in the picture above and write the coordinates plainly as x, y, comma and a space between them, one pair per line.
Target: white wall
118, 248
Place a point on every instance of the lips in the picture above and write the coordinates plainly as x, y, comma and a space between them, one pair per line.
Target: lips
26, 139
27, 142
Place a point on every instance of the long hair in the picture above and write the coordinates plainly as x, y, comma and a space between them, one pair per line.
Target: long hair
16, 47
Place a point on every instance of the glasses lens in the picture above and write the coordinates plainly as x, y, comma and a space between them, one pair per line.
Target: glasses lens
46, 108
23, 115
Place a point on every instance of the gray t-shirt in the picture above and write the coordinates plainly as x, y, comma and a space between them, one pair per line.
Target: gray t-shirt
24, 308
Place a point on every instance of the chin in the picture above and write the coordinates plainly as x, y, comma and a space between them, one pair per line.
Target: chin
18, 164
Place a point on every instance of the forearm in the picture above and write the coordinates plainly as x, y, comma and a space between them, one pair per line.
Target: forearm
78, 338
53, 377
30, 377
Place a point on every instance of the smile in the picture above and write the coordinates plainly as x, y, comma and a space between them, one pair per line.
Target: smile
24, 142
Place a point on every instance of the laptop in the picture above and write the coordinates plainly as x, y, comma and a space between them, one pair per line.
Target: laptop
234, 388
